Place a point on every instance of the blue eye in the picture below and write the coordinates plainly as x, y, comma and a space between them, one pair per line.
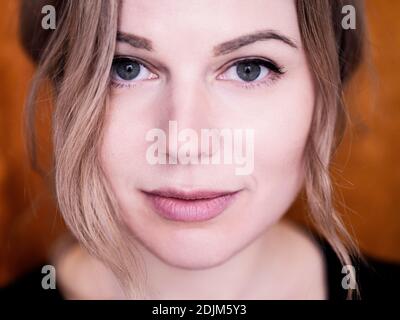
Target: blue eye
253, 72
127, 72
249, 70
125, 68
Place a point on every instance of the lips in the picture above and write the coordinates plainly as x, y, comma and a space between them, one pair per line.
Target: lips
189, 206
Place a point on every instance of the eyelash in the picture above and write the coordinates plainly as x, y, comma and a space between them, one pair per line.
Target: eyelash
276, 70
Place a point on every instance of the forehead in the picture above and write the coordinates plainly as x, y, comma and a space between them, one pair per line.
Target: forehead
204, 23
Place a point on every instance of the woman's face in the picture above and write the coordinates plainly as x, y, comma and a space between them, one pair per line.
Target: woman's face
178, 61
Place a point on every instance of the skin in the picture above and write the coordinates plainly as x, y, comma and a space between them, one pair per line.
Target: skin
243, 252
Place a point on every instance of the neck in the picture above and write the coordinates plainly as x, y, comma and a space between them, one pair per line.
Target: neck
235, 278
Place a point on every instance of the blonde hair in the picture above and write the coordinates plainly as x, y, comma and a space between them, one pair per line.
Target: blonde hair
77, 58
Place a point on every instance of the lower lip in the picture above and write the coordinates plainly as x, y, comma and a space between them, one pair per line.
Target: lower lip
190, 210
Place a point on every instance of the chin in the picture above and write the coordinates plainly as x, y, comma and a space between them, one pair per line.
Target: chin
191, 249
188, 257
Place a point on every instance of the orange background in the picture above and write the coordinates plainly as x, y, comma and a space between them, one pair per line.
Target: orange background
367, 160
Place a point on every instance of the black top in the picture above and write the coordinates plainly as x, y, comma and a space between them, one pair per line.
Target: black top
377, 279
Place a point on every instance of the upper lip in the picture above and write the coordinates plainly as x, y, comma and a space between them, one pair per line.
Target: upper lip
190, 194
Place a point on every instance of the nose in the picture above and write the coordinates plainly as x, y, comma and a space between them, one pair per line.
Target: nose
187, 109
188, 101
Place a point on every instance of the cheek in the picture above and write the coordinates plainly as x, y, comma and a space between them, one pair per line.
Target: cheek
281, 116
282, 136
122, 153
282, 131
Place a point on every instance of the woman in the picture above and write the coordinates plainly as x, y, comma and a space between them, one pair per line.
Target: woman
154, 221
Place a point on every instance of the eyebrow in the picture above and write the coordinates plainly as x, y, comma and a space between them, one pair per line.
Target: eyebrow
235, 44
135, 41
221, 49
